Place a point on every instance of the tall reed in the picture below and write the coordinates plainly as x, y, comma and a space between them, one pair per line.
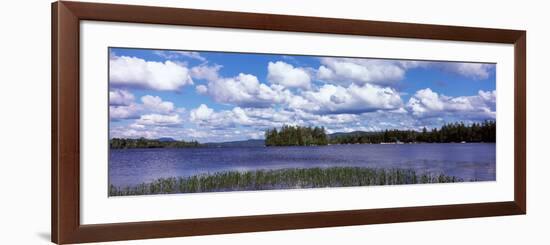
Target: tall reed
290, 178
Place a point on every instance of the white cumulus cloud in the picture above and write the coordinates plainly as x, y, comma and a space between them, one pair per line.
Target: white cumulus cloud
205, 116
258, 118
159, 120
201, 89
124, 111
120, 97
245, 90
345, 71
334, 99
202, 113
287, 75
427, 103
123, 106
209, 73
156, 104
478, 71
136, 72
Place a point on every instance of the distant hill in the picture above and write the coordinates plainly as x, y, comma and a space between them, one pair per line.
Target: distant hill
242, 143
166, 139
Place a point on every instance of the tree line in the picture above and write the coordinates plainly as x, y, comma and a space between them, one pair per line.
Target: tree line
120, 143
451, 132
296, 136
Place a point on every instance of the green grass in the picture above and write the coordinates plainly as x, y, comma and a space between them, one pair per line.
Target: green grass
291, 178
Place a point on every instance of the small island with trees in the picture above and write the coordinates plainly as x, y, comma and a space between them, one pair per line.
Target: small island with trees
296, 136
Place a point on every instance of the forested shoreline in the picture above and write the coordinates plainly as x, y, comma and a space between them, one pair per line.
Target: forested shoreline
120, 143
449, 133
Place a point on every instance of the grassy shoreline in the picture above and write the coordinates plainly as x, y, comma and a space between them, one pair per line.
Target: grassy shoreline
290, 178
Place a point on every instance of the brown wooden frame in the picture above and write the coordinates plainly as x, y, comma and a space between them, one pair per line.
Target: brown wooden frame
65, 175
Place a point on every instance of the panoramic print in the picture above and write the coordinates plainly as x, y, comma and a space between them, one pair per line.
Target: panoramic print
195, 121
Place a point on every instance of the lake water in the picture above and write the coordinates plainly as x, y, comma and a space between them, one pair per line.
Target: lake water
467, 161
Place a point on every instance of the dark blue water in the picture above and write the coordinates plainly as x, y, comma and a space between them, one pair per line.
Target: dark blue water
467, 161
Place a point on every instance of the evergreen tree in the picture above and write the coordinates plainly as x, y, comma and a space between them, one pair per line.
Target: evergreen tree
451, 132
296, 136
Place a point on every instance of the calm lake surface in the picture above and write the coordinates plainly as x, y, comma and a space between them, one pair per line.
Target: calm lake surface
467, 161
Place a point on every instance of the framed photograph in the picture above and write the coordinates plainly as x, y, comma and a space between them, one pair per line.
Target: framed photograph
176, 122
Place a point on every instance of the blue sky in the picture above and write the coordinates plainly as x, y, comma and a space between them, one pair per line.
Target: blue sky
220, 96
